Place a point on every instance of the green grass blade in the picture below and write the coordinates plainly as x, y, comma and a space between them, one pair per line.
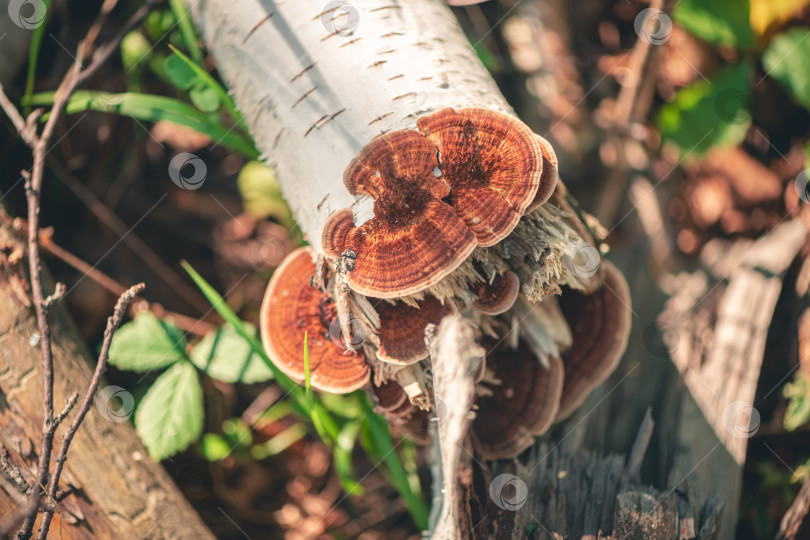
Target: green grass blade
382, 448
153, 108
212, 83
33, 56
183, 19
302, 404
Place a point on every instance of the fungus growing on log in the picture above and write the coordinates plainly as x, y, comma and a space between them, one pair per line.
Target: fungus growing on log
600, 327
496, 297
414, 238
493, 164
463, 180
523, 403
402, 328
291, 308
549, 176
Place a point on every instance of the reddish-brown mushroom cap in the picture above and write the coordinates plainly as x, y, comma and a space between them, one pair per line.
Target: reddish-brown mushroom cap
292, 307
390, 396
499, 296
493, 164
600, 327
402, 328
548, 180
414, 238
523, 405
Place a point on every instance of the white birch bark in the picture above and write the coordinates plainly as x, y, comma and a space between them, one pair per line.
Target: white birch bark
317, 80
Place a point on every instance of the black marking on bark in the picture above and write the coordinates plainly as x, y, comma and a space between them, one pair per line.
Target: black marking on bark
400, 76
389, 51
378, 63
318, 207
278, 137
301, 73
379, 118
425, 78
316, 17
392, 6
392, 34
253, 30
328, 36
302, 98
403, 96
355, 40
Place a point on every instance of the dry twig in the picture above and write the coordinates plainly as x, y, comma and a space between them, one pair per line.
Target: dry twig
39, 143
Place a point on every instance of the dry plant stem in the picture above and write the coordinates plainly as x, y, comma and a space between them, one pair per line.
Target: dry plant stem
113, 323
104, 214
627, 108
39, 144
184, 322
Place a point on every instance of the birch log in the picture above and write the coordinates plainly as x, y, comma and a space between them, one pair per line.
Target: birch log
317, 80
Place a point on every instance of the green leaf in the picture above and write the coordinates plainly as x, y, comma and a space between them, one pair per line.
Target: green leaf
170, 417
179, 73
204, 98
214, 447
153, 109
212, 84
261, 193
134, 48
771, 13
725, 22
787, 60
225, 355
147, 343
704, 115
798, 395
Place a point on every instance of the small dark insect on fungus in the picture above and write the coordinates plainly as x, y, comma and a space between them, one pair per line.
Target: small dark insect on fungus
463, 180
292, 307
600, 327
523, 403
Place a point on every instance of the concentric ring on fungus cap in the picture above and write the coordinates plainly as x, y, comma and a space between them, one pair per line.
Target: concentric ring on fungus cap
292, 307
463, 180
600, 327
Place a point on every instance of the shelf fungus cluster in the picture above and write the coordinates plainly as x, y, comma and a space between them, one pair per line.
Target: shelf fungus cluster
463, 214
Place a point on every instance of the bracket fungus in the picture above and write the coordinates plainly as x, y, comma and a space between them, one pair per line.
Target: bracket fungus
468, 204
402, 328
498, 296
463, 180
291, 308
600, 327
523, 401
